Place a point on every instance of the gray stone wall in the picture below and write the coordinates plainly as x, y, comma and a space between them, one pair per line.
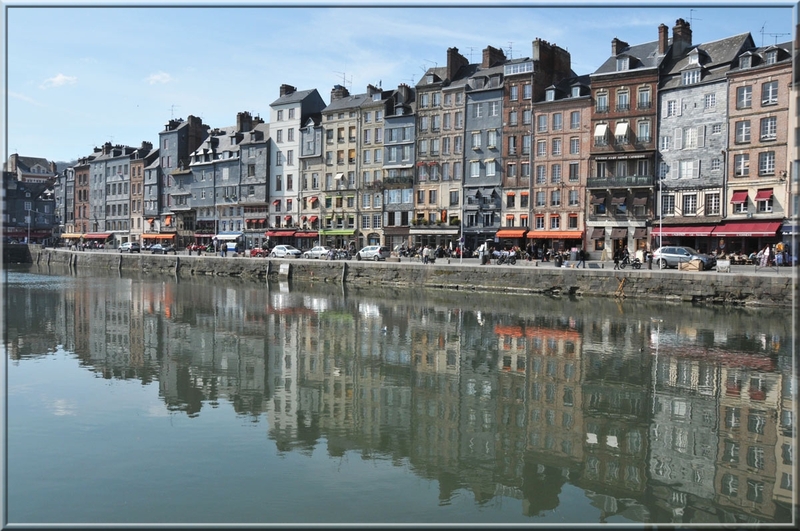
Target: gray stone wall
763, 289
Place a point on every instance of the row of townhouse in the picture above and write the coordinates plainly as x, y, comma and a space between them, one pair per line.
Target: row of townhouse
654, 146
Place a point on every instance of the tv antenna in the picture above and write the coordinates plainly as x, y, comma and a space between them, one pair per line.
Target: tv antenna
345, 82
776, 35
510, 49
470, 54
172, 111
690, 17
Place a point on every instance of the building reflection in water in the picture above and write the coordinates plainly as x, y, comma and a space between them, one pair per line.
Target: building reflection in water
683, 418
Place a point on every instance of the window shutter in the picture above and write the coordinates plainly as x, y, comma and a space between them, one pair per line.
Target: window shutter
680, 106
701, 136
697, 169
678, 138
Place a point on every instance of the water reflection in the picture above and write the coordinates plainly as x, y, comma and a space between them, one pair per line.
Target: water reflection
657, 413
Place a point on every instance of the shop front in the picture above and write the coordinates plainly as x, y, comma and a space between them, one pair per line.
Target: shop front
338, 238
558, 241
512, 237
280, 237
695, 236
745, 237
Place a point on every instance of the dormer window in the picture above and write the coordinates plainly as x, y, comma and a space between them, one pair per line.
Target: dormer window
623, 63
690, 77
694, 58
772, 57
745, 61
550, 95
429, 78
576, 91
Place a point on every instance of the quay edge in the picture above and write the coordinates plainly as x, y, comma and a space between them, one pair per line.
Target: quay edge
710, 287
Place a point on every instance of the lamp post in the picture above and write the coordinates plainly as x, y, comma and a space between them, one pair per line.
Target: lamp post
660, 212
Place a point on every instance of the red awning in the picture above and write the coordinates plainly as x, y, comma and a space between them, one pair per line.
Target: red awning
312, 219
511, 233
158, 236
287, 218
276, 202
739, 197
304, 218
556, 234
96, 236
683, 230
313, 199
280, 233
764, 195
743, 228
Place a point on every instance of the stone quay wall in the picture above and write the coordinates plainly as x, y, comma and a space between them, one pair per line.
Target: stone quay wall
709, 287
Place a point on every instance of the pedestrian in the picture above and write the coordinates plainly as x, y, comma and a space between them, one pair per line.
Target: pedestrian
426, 253
617, 256
581, 258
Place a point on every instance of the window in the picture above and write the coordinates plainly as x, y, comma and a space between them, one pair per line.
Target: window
710, 101
574, 145
643, 167
623, 101
279, 135
766, 163
476, 140
575, 120
526, 116
643, 134
741, 165
643, 98
716, 164
622, 63
541, 174
478, 110
689, 204
527, 91
690, 77
555, 221
540, 197
541, 148
475, 169
602, 170
290, 134
541, 123
573, 198
716, 129
550, 95
666, 142
621, 169
765, 205
291, 114
690, 138
686, 169
602, 102
574, 171
513, 93
555, 173
772, 57
667, 204
769, 128
575, 91
769, 93
556, 146
558, 122
280, 116
526, 145
494, 108
744, 97
672, 108
491, 138
512, 118
490, 168
742, 130
512, 145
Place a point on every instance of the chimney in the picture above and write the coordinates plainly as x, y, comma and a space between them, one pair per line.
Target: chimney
618, 46
287, 89
681, 37
454, 62
492, 57
663, 39
107, 148
338, 92
146, 146
244, 122
372, 89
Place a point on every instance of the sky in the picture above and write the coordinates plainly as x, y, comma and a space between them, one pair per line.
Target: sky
80, 76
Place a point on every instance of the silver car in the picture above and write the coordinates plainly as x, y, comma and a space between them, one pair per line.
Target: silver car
373, 252
320, 251
671, 256
285, 251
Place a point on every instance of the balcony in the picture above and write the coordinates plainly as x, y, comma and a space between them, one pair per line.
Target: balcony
619, 182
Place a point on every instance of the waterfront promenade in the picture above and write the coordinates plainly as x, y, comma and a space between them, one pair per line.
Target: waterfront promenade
743, 285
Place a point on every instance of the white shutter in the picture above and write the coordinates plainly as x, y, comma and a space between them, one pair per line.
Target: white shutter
678, 143
701, 136
697, 169
680, 106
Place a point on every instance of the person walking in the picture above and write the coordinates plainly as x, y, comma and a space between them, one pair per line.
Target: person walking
581, 258
426, 253
617, 256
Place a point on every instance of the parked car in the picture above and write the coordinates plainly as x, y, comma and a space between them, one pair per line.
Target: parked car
373, 252
163, 249
320, 251
285, 251
130, 247
671, 256
258, 252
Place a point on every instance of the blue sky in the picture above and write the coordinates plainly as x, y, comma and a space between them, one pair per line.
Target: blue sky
81, 76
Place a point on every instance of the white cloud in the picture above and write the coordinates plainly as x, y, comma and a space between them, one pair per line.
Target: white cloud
23, 97
159, 77
59, 80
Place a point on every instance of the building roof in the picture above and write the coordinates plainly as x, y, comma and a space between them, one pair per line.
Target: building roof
348, 102
716, 58
645, 55
295, 97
